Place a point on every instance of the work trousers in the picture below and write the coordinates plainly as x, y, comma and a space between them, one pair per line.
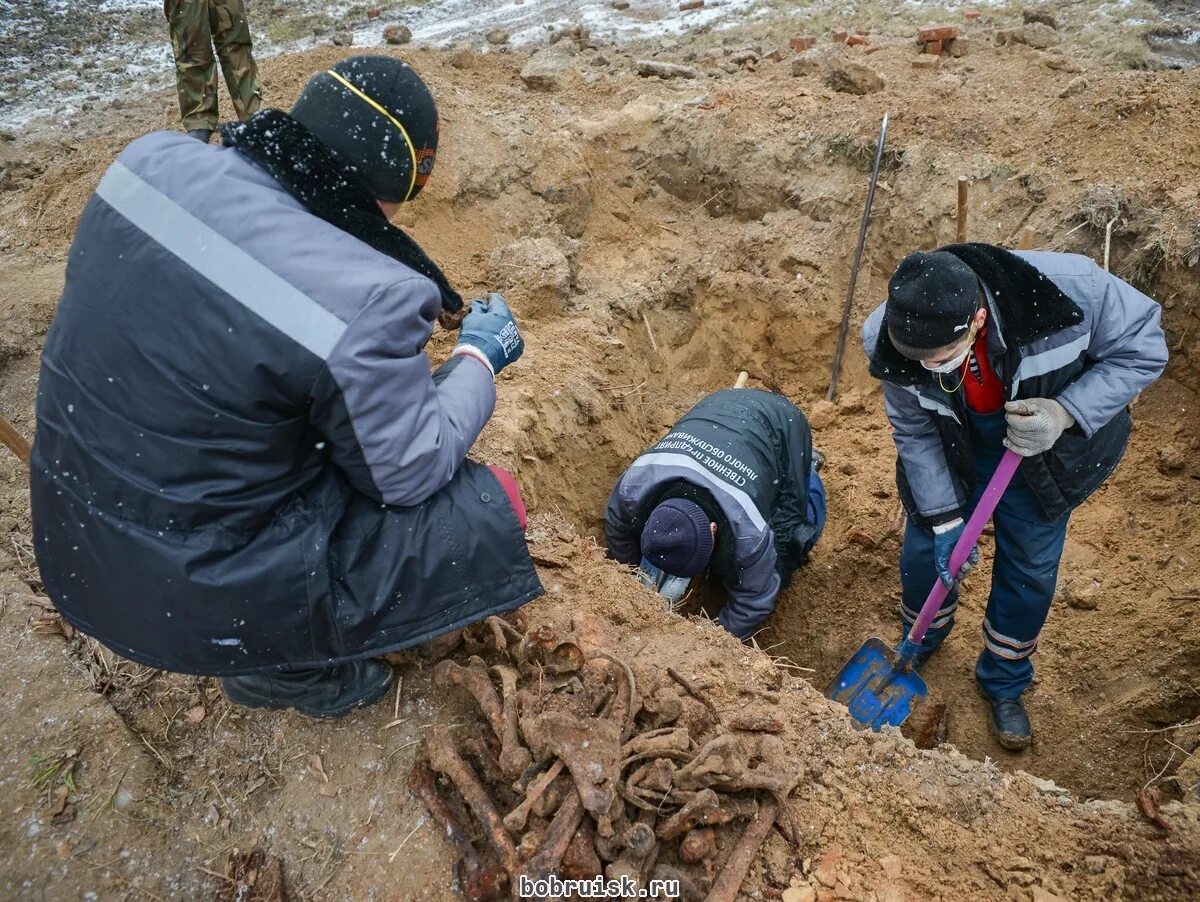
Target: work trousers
1024, 572
197, 28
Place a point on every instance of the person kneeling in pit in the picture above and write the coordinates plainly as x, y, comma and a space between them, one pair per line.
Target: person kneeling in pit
732, 490
244, 467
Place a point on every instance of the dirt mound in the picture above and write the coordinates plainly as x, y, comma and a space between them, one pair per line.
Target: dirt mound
656, 237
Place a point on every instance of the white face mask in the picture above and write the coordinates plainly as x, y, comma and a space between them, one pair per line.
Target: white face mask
950, 365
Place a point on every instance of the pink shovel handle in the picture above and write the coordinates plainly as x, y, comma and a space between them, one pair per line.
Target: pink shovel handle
979, 518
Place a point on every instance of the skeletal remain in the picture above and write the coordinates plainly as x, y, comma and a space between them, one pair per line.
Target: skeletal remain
541, 647
719, 757
476, 681
580, 861
698, 844
635, 859
757, 723
694, 691
514, 757
689, 889
445, 760
664, 705
725, 887
480, 880
554, 795
548, 858
591, 750
703, 803
624, 706
483, 760
515, 819
654, 741
654, 779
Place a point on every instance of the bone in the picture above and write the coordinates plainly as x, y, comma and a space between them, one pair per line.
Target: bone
725, 887
757, 723
636, 858
445, 760
700, 805
548, 858
689, 890
480, 881
698, 844
542, 648
515, 820
484, 761
580, 861
591, 750
623, 709
694, 691
675, 738
554, 795
514, 757
476, 681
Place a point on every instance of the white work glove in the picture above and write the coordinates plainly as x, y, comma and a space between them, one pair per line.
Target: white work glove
1034, 425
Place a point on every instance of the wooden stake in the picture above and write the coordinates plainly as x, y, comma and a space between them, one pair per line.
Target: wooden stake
650, 332
15, 442
1025, 243
742, 379
1108, 241
960, 234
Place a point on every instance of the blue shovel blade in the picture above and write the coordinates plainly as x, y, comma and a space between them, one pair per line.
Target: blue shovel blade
874, 687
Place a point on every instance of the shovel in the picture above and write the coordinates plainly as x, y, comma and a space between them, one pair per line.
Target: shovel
878, 684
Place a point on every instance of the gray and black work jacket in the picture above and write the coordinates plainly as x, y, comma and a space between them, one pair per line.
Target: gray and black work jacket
1059, 327
748, 452
242, 459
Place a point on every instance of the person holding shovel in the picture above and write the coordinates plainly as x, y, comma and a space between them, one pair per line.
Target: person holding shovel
732, 490
981, 349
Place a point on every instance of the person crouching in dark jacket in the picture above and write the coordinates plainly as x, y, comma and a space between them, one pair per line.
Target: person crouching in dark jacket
732, 490
981, 349
244, 466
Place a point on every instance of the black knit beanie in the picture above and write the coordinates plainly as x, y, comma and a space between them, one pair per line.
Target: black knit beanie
377, 116
677, 538
931, 298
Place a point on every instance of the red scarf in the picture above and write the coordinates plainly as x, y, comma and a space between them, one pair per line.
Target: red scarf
982, 388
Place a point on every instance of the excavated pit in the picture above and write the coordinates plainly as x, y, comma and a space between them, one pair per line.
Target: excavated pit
1114, 697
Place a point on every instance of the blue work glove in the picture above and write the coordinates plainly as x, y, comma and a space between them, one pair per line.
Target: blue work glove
945, 537
489, 334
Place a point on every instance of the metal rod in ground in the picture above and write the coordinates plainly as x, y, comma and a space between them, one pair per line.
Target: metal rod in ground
1108, 241
862, 239
960, 231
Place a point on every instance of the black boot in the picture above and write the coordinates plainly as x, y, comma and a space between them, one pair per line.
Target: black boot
1010, 723
320, 692
200, 134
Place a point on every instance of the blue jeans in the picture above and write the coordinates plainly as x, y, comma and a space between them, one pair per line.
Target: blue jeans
815, 504
1024, 572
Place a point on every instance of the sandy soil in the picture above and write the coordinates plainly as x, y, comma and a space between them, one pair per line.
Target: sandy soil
718, 215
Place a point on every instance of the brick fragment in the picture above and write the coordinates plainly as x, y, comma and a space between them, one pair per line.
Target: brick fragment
971, 14
937, 33
803, 43
933, 47
872, 49
926, 62
620, 5
690, 4
959, 47
855, 40
374, 12
840, 35
775, 55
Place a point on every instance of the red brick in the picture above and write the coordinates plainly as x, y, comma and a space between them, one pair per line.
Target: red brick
855, 39
690, 4
938, 33
840, 35
373, 12
775, 55
934, 47
971, 14
802, 43
926, 62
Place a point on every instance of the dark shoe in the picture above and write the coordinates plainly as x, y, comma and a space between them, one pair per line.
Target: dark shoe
321, 692
201, 134
1010, 723
921, 658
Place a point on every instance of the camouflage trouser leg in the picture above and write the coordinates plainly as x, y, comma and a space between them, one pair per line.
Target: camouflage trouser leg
195, 65
231, 37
